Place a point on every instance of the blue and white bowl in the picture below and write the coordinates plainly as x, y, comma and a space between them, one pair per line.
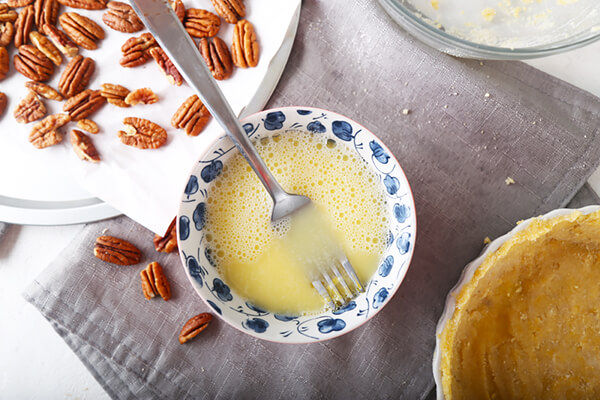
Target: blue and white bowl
237, 311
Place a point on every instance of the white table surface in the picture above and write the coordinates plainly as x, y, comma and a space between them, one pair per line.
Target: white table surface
34, 361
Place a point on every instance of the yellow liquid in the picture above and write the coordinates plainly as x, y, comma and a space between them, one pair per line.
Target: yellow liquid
261, 262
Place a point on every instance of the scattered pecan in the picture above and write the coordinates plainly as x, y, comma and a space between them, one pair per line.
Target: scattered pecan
143, 95
194, 326
76, 75
83, 104
4, 63
43, 44
33, 64
46, 12
217, 57
44, 90
244, 50
7, 31
45, 133
61, 40
230, 10
85, 4
178, 8
154, 282
84, 147
122, 18
116, 251
18, 3
201, 23
3, 102
114, 94
136, 50
192, 116
167, 243
7, 14
88, 125
29, 109
82, 30
23, 26
166, 66
142, 133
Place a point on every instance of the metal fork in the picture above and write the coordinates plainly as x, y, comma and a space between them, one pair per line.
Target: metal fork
337, 285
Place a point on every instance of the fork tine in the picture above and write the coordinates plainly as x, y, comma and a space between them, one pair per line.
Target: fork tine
323, 293
342, 282
331, 286
350, 271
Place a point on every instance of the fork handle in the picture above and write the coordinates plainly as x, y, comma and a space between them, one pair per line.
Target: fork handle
162, 22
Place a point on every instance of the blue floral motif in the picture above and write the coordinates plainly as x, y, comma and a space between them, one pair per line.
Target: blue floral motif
285, 318
184, 227
378, 152
390, 238
316, 127
380, 297
401, 212
255, 308
403, 243
392, 184
258, 325
274, 120
248, 128
211, 171
342, 130
348, 307
223, 291
304, 112
195, 270
215, 307
199, 216
208, 255
192, 185
331, 324
386, 266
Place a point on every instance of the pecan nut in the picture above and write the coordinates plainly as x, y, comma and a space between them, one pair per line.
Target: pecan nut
7, 31
88, 125
192, 116
33, 64
168, 242
201, 23
83, 104
4, 64
23, 25
85, 4
122, 18
217, 57
46, 12
116, 251
44, 90
136, 50
114, 94
18, 3
166, 66
3, 102
29, 109
143, 95
61, 40
230, 10
244, 49
76, 75
84, 147
142, 133
7, 14
45, 133
194, 326
154, 282
82, 30
178, 8
43, 44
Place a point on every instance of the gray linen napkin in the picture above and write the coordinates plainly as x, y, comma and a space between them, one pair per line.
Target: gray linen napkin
469, 126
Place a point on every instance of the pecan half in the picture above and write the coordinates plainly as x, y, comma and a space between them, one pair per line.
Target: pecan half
143, 95
217, 57
167, 243
3, 102
84, 31
154, 282
192, 116
61, 40
88, 125
7, 31
45, 133
23, 26
84, 104
4, 64
178, 8
44, 90
114, 94
230, 10
194, 326
244, 49
33, 64
43, 44
46, 12
84, 147
7, 14
76, 75
18, 3
29, 109
166, 66
201, 23
136, 50
116, 251
85, 4
142, 133
122, 18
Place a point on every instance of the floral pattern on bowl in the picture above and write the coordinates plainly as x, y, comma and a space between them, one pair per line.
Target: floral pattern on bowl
250, 319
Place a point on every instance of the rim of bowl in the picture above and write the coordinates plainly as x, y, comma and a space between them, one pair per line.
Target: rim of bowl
400, 277
467, 274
